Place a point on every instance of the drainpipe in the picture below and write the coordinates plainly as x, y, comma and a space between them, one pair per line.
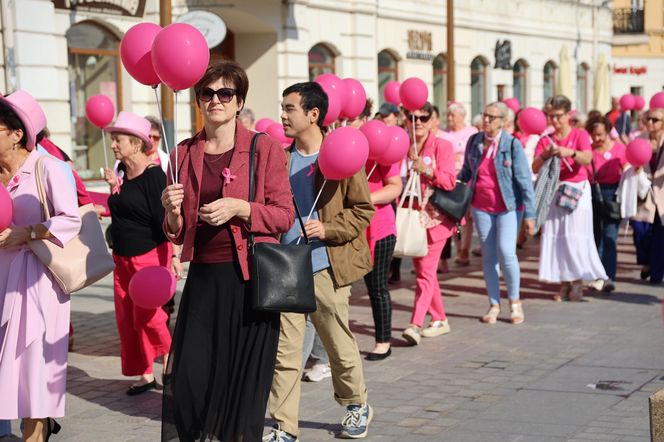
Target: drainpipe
6, 11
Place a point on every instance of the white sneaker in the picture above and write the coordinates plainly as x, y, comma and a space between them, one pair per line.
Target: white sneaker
318, 372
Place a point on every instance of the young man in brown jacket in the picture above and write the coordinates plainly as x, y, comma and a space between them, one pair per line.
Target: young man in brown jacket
340, 255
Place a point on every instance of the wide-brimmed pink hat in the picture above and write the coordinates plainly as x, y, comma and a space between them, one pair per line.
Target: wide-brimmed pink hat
29, 112
132, 124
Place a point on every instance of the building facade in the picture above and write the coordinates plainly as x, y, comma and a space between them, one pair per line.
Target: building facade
64, 51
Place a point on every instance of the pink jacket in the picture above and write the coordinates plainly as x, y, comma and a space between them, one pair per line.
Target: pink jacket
272, 213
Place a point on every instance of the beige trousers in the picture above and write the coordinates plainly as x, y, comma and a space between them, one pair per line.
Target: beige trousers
331, 323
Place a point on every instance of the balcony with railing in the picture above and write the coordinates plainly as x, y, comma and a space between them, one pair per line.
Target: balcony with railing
628, 21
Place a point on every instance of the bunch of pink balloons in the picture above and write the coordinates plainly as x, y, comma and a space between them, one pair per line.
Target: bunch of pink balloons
638, 152
176, 55
345, 98
343, 153
100, 110
657, 101
6, 208
532, 121
151, 287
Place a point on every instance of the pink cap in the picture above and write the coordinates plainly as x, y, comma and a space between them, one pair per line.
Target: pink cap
132, 124
29, 112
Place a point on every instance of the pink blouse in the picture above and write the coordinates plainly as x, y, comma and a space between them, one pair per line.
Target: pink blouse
578, 139
487, 196
609, 165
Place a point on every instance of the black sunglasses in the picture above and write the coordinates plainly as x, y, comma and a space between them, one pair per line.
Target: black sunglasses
422, 118
225, 94
653, 119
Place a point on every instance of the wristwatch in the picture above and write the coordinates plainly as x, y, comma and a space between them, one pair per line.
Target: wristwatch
33, 233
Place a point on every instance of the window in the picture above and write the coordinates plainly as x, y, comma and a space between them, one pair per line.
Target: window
549, 85
94, 68
321, 61
582, 88
440, 83
478, 86
388, 70
520, 81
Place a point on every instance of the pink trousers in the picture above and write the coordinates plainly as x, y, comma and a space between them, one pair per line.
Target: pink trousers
143, 332
427, 293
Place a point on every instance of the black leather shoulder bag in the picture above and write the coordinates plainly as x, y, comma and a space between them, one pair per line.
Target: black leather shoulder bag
281, 275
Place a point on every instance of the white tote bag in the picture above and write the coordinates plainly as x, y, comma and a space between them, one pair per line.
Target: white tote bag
411, 234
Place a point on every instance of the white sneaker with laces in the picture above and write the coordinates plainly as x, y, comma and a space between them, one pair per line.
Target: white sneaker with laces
318, 372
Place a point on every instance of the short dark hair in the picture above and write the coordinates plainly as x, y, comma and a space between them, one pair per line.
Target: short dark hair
229, 71
426, 107
436, 110
596, 120
312, 96
10, 118
559, 102
366, 112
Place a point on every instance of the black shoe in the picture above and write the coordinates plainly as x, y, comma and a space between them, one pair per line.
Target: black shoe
379, 356
645, 274
134, 390
52, 427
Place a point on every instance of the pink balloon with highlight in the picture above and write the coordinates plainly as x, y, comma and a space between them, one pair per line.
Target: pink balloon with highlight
657, 101
263, 123
532, 121
180, 56
276, 130
378, 136
343, 153
638, 152
512, 103
627, 102
413, 93
151, 287
353, 100
639, 103
100, 110
397, 147
391, 92
136, 52
334, 89
6, 208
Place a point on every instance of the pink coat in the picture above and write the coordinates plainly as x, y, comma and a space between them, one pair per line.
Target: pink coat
33, 310
272, 213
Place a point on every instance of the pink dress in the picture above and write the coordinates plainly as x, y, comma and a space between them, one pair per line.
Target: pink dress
34, 313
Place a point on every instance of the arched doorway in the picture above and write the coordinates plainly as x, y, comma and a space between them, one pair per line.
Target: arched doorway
94, 68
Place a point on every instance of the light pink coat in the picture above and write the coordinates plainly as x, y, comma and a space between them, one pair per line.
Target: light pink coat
34, 313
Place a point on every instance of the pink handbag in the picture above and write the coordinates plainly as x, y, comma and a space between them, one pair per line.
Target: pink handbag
84, 259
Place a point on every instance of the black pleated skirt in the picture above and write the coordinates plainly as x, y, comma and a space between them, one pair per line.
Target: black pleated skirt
222, 360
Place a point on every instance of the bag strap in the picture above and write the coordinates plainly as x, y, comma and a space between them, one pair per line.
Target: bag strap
41, 190
252, 154
596, 184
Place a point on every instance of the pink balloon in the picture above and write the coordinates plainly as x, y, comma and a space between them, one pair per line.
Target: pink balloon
378, 136
657, 101
639, 103
6, 208
413, 93
512, 103
136, 52
391, 92
276, 130
397, 148
627, 102
180, 56
100, 110
151, 287
263, 123
334, 89
532, 121
353, 100
638, 152
343, 153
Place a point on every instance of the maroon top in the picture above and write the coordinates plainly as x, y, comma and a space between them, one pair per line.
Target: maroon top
213, 244
272, 211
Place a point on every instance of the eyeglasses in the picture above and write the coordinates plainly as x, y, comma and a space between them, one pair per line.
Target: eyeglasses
555, 116
154, 137
421, 118
653, 120
490, 117
225, 94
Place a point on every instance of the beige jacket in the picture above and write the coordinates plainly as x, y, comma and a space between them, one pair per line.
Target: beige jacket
654, 202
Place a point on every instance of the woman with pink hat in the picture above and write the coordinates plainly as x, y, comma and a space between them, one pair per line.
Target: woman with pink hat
34, 312
138, 242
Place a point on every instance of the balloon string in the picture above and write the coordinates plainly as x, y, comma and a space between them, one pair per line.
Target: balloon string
313, 207
175, 131
163, 132
413, 131
103, 140
624, 125
564, 160
372, 171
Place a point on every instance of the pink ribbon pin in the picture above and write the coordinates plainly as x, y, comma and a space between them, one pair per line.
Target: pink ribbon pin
226, 173
312, 170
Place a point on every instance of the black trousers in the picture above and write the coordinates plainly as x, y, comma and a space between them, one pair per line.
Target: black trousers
379, 293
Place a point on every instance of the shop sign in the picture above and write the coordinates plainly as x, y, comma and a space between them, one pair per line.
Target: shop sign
627, 70
132, 8
211, 25
503, 54
419, 45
